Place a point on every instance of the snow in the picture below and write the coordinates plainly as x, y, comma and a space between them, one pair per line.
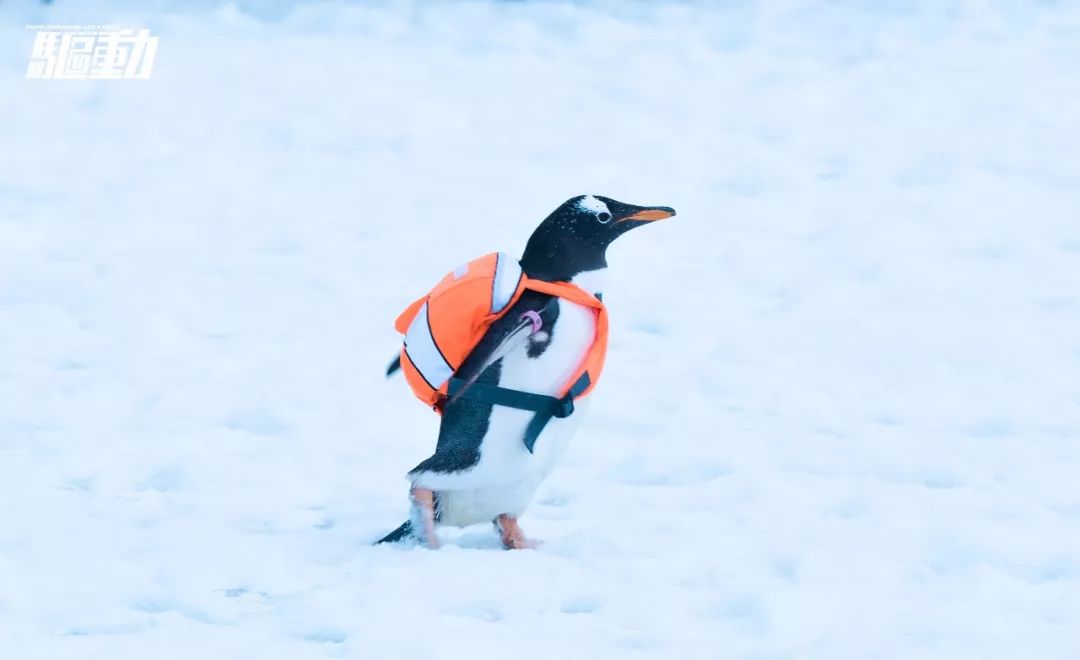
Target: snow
840, 417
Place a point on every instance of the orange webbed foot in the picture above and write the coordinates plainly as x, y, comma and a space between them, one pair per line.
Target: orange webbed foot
423, 500
512, 536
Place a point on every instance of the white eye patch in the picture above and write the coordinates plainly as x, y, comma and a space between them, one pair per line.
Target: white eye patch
593, 205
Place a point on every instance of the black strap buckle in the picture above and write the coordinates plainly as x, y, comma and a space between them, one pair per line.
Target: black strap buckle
564, 407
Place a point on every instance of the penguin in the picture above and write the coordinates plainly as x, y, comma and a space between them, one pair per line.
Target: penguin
481, 470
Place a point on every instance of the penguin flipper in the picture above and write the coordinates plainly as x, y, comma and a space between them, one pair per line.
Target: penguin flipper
394, 366
517, 337
403, 532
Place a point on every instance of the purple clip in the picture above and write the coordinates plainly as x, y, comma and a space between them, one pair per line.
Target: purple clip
535, 319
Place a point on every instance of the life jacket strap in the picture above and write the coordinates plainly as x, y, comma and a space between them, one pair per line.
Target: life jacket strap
543, 405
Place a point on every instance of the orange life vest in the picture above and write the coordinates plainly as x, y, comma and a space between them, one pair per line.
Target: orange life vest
443, 327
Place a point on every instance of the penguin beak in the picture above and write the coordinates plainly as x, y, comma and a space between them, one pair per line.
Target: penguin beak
650, 214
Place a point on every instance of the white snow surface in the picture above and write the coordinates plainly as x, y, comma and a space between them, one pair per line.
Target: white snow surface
841, 413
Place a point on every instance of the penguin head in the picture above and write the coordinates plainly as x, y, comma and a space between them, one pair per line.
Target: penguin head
575, 237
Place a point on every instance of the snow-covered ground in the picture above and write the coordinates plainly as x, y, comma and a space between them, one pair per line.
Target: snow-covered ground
841, 416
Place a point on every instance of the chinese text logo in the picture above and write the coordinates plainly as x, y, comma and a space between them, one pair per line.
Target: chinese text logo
81, 53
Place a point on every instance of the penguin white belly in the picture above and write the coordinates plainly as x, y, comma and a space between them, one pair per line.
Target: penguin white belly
506, 475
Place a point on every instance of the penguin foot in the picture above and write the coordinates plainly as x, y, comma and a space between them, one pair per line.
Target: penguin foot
423, 516
512, 536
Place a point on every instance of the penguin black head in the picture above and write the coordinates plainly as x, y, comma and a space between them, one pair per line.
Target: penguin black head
575, 237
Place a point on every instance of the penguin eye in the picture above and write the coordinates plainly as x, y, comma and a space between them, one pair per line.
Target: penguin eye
603, 217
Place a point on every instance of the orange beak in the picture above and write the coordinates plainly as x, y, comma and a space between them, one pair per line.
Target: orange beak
651, 214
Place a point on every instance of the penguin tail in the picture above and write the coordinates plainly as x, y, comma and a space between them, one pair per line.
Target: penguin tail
394, 366
401, 533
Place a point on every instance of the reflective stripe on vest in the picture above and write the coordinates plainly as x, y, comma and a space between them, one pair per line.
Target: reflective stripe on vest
424, 353
507, 278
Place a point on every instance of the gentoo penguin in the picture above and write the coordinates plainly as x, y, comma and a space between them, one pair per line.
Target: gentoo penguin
481, 470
